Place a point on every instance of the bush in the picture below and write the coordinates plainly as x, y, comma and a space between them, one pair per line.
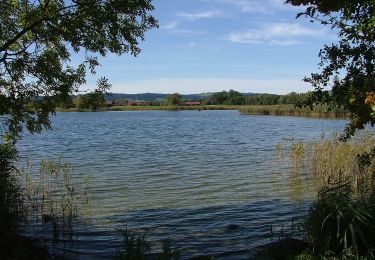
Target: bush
11, 206
341, 224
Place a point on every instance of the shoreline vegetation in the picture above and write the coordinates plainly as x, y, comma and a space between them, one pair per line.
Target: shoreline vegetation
273, 110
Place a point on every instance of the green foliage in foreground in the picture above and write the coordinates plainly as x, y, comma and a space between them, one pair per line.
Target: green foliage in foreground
50, 199
37, 41
347, 75
11, 209
341, 223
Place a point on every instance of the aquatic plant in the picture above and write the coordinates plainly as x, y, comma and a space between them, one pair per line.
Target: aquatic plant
341, 222
54, 199
136, 247
329, 160
170, 251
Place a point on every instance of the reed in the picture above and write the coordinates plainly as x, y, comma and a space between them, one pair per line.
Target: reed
330, 160
136, 247
340, 223
291, 110
54, 200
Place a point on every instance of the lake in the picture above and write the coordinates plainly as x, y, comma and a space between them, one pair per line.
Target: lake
185, 175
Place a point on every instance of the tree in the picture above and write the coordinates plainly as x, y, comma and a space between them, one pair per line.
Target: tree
94, 100
352, 59
173, 99
37, 40
217, 98
234, 98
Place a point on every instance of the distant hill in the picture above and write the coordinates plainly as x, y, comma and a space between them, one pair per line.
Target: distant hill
158, 96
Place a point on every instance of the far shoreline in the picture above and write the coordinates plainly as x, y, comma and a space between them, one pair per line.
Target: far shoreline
273, 110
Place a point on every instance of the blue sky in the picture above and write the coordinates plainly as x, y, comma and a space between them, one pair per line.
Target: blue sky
214, 45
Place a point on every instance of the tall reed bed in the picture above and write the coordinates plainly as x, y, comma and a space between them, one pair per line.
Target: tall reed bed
330, 160
340, 224
56, 200
291, 110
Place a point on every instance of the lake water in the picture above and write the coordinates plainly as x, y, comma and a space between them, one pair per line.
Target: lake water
183, 175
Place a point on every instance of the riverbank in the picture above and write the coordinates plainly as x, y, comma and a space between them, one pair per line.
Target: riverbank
275, 110
154, 108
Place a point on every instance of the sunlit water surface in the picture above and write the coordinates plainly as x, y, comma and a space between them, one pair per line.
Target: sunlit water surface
184, 175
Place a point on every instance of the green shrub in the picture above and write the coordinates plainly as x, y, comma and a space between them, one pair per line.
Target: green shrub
11, 206
342, 224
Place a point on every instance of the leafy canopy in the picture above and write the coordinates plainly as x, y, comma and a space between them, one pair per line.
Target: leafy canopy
231, 97
37, 40
348, 66
173, 99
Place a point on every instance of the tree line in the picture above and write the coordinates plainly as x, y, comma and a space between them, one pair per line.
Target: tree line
97, 100
236, 98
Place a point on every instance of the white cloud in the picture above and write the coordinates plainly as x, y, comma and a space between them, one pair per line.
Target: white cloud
257, 6
260, 6
283, 34
175, 28
200, 85
188, 45
199, 15
169, 26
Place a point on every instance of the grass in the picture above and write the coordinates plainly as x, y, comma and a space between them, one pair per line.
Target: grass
291, 110
340, 224
330, 160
